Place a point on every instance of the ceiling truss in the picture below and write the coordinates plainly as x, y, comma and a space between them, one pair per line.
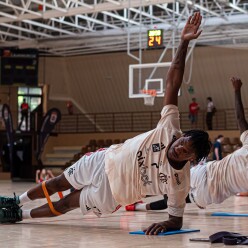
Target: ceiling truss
78, 27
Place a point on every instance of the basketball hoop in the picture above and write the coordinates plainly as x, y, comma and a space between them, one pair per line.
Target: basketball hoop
149, 99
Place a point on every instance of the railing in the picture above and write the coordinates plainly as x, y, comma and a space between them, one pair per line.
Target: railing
138, 122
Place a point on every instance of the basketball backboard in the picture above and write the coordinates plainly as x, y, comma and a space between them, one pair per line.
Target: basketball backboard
147, 77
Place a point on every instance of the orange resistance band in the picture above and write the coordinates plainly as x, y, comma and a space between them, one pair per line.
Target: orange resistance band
60, 195
49, 200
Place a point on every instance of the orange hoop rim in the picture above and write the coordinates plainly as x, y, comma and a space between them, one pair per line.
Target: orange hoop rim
150, 92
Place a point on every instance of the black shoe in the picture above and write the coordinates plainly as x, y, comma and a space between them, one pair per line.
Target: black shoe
7, 202
10, 215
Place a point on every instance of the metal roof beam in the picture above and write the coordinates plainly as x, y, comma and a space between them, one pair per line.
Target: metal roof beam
120, 18
79, 10
25, 30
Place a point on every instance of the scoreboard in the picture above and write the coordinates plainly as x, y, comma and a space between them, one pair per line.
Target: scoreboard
155, 38
19, 67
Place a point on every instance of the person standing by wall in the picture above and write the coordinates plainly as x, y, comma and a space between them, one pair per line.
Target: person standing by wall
210, 113
217, 154
193, 112
24, 114
69, 106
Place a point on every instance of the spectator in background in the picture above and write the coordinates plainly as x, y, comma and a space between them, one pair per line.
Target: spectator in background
69, 107
24, 114
217, 154
43, 175
193, 113
210, 113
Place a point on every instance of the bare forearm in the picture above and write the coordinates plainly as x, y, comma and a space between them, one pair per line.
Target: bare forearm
174, 223
240, 115
216, 151
175, 74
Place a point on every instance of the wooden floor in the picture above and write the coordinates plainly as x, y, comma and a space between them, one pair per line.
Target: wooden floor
75, 230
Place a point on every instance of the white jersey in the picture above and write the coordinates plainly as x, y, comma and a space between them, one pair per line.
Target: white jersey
218, 180
140, 167
210, 107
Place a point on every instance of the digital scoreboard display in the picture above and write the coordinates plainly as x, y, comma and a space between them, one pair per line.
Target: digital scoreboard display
19, 67
155, 38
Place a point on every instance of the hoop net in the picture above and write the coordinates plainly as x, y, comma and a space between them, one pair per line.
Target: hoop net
149, 99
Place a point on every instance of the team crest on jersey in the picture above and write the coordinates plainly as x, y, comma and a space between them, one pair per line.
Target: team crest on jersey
156, 147
71, 171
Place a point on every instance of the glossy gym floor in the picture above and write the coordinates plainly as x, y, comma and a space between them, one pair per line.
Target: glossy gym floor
76, 230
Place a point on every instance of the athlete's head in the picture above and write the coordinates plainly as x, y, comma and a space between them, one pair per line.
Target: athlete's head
209, 99
194, 145
220, 138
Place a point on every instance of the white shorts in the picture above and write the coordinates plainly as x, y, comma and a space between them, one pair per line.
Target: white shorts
88, 174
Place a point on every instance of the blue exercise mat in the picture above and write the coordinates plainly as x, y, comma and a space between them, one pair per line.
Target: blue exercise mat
168, 233
228, 214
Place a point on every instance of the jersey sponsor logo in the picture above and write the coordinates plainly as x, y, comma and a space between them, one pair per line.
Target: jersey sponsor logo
163, 178
177, 179
71, 171
143, 169
157, 165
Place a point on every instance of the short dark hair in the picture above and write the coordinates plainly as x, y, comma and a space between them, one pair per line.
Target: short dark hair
200, 143
210, 99
220, 136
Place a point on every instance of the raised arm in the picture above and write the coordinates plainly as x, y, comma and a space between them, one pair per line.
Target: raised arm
240, 114
175, 74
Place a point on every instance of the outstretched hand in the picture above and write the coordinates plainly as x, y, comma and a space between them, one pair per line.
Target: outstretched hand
156, 228
236, 82
191, 30
173, 223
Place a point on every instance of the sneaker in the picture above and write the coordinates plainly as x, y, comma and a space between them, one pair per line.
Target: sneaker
10, 215
131, 207
8, 202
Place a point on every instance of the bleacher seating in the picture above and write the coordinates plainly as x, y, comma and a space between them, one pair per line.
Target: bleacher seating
229, 145
93, 146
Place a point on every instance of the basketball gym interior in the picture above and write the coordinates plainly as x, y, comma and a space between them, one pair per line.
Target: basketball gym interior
101, 66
